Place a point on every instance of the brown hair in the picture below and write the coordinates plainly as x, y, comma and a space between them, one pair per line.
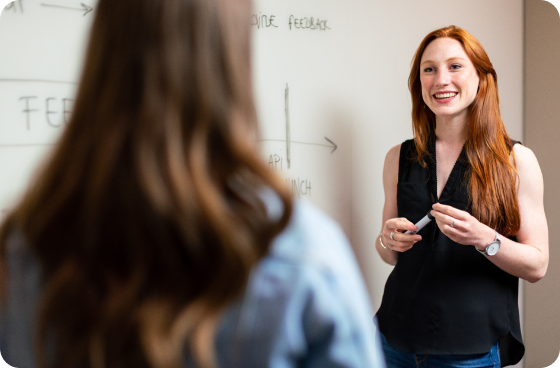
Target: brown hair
488, 147
147, 217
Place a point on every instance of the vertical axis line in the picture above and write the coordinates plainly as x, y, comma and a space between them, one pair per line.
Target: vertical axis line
287, 109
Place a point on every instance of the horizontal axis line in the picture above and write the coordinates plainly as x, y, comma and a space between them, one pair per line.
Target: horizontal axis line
283, 140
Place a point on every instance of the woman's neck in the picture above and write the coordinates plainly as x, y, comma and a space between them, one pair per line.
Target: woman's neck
452, 130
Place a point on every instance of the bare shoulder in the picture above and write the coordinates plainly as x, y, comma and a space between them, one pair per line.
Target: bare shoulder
392, 157
526, 162
391, 166
530, 197
530, 179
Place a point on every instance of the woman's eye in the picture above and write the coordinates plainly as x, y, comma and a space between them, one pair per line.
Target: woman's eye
427, 70
455, 66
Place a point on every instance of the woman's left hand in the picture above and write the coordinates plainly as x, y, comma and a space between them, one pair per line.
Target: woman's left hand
462, 227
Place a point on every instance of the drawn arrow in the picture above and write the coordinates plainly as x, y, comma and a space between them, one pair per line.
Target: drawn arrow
331, 145
84, 7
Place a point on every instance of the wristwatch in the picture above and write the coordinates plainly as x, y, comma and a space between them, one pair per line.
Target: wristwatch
492, 248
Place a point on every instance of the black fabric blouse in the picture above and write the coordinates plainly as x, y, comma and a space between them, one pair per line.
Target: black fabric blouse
443, 297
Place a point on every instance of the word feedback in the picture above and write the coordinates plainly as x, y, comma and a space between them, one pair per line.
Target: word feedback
294, 23
308, 23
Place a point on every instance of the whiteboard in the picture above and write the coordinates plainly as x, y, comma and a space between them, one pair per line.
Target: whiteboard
303, 113
302, 85
41, 51
303, 137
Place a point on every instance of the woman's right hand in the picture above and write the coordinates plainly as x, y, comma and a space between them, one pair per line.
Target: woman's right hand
399, 242
391, 248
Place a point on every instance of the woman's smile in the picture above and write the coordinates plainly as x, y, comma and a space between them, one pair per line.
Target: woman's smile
445, 96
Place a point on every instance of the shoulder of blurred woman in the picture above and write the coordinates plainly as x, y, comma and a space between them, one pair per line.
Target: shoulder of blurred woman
311, 237
311, 247
306, 295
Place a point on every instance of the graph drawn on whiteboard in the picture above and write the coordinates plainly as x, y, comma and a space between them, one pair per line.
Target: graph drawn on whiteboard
288, 139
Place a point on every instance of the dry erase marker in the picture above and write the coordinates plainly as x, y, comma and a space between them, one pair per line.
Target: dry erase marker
420, 224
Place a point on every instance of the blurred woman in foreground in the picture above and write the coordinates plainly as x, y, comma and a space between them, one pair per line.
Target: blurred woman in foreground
154, 235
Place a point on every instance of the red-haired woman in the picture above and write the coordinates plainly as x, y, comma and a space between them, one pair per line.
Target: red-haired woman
451, 299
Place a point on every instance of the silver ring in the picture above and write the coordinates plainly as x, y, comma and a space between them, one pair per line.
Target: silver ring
452, 223
392, 233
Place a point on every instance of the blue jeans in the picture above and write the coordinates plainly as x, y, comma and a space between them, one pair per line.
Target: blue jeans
399, 359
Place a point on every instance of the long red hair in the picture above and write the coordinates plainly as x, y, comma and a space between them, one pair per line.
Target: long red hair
488, 147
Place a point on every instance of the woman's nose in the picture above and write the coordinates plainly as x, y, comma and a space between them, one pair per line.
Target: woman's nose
442, 77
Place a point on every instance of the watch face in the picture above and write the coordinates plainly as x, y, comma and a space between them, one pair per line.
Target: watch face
493, 248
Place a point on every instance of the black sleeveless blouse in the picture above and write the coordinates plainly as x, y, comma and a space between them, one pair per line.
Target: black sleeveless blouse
443, 297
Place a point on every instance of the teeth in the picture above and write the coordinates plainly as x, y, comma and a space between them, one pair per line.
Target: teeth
445, 95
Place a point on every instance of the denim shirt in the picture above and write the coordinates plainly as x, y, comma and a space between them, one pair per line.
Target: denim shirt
305, 304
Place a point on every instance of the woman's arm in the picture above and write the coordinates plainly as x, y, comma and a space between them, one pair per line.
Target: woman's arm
390, 223
528, 257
